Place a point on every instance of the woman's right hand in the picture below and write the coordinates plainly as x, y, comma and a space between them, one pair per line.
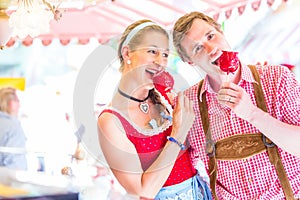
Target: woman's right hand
183, 117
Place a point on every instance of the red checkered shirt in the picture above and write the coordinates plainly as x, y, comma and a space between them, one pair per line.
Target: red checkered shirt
255, 177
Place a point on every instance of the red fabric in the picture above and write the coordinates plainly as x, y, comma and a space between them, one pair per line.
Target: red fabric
149, 147
255, 177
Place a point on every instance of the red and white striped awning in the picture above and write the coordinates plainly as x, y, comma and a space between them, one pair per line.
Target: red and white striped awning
107, 19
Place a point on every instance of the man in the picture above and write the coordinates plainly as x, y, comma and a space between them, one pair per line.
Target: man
247, 128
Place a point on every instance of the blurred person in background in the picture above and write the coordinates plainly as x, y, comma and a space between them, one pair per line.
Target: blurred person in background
12, 137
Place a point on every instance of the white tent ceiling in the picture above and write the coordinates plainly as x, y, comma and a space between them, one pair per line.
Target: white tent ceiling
83, 19
276, 38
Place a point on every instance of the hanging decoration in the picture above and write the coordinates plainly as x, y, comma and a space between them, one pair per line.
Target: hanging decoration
89, 17
32, 18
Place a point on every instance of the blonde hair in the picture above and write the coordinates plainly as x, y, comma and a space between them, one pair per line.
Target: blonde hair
7, 95
137, 38
184, 24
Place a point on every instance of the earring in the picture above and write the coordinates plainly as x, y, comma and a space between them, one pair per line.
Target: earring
128, 62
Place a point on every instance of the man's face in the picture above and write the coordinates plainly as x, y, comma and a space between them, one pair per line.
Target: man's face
204, 45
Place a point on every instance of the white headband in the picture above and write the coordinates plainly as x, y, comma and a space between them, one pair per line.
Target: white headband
135, 30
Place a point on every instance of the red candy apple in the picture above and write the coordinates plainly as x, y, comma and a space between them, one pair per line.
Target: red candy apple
164, 83
229, 61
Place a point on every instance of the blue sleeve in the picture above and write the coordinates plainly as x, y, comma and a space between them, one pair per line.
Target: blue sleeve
14, 137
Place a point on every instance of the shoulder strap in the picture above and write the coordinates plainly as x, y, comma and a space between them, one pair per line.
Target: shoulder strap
210, 144
123, 121
272, 149
203, 108
259, 94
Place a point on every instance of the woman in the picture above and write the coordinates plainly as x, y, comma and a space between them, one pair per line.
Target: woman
11, 132
140, 134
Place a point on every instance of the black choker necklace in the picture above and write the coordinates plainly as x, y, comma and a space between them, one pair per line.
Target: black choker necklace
144, 106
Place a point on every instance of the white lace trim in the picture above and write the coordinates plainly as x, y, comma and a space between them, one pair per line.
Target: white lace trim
150, 132
186, 195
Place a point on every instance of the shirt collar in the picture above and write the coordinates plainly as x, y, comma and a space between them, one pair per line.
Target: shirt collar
246, 75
